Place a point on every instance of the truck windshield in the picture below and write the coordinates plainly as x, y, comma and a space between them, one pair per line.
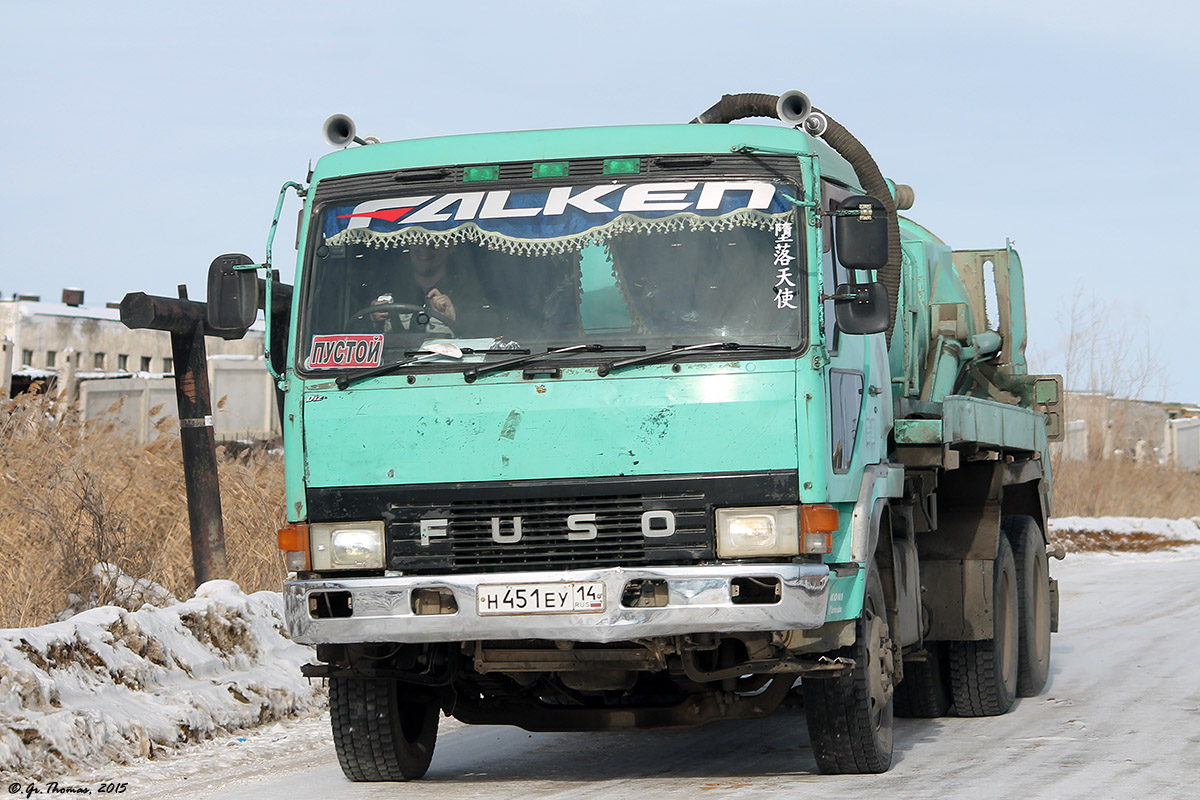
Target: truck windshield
648, 265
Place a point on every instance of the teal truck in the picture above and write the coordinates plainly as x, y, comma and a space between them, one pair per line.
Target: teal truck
627, 427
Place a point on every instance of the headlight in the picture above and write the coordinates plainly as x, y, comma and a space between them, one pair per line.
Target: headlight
762, 531
346, 545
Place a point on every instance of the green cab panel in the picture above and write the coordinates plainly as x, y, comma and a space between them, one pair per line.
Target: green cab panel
706, 419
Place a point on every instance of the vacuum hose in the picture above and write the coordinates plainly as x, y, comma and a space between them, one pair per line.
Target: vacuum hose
739, 106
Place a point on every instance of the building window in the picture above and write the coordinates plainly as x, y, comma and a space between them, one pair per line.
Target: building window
145, 363
98, 361
26, 358
168, 365
123, 363
51, 355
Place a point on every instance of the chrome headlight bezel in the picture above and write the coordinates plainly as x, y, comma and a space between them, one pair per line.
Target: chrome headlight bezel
346, 545
758, 531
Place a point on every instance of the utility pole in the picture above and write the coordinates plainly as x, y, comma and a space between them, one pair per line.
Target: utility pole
186, 321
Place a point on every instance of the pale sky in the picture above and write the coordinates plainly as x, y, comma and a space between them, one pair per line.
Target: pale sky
143, 139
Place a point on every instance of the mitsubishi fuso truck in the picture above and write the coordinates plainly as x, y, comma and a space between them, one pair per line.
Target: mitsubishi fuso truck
625, 427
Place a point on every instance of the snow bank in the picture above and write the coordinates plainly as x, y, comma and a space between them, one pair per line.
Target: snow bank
1184, 530
112, 685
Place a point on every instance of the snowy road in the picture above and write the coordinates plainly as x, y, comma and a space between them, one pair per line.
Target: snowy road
1120, 718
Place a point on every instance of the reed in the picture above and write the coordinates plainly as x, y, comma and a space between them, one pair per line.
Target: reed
72, 496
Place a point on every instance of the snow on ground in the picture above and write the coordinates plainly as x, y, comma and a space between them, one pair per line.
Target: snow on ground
1119, 718
1186, 530
109, 686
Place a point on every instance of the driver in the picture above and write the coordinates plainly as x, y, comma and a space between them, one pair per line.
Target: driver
429, 269
440, 283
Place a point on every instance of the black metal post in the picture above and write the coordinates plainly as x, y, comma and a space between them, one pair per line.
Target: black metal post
185, 320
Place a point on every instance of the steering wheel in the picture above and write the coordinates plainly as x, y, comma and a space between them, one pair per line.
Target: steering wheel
405, 308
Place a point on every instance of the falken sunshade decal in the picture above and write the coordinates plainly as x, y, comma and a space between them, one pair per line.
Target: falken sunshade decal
346, 350
557, 219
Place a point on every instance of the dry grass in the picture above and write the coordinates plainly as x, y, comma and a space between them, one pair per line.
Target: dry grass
70, 498
1120, 487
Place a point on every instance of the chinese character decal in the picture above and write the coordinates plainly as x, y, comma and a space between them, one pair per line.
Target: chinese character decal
784, 285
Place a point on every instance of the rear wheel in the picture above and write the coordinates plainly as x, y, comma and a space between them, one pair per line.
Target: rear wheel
1033, 602
983, 674
382, 730
924, 692
850, 716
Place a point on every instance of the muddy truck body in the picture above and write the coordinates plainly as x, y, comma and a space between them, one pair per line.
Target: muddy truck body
598, 429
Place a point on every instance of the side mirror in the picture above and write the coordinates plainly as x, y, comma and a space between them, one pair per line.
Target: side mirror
232, 295
862, 308
861, 232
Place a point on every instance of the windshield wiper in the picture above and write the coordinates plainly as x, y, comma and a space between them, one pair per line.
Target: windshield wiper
675, 349
449, 351
471, 373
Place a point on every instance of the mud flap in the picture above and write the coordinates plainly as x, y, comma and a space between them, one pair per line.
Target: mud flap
1053, 606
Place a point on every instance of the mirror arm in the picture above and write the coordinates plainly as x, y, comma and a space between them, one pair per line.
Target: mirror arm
266, 265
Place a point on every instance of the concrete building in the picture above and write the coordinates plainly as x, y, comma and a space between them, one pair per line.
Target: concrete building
42, 340
127, 375
1100, 426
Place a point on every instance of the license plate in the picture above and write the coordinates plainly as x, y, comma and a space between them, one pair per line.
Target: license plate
585, 597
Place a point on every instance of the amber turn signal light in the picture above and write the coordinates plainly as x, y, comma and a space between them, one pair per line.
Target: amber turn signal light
293, 538
817, 524
293, 541
814, 519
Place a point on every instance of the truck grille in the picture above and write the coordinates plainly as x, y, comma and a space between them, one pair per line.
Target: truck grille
458, 519
469, 546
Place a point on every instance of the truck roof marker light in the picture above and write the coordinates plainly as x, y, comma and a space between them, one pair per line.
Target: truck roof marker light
622, 166
475, 174
552, 169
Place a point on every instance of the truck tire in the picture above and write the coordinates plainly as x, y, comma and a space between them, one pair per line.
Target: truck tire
924, 691
380, 732
850, 716
1033, 601
983, 674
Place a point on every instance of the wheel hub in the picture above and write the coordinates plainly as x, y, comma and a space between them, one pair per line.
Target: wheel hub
881, 661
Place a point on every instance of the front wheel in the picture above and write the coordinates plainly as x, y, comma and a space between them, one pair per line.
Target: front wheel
850, 716
382, 730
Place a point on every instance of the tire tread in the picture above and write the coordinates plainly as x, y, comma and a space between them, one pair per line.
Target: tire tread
366, 731
839, 723
1024, 535
975, 675
924, 693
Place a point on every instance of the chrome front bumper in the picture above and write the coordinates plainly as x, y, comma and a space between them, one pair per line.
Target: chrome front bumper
699, 600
